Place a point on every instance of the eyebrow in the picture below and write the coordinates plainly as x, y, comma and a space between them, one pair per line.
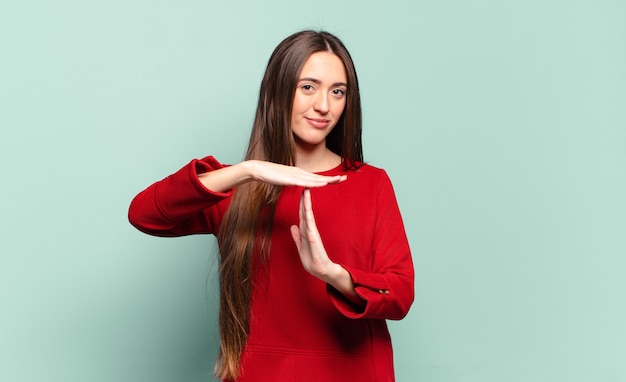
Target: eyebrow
316, 81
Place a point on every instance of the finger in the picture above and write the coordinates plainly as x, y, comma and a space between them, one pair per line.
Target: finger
302, 216
295, 234
309, 181
309, 217
338, 179
333, 179
301, 212
303, 229
306, 200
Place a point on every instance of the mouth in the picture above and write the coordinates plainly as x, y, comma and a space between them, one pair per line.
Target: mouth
319, 123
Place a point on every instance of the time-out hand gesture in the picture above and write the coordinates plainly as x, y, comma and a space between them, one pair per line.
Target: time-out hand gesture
313, 255
308, 241
226, 178
282, 175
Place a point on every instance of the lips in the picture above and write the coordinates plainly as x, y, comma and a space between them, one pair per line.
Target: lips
319, 123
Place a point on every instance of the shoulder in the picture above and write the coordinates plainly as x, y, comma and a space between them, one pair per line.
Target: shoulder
369, 177
368, 170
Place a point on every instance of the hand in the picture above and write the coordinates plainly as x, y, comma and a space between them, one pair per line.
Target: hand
282, 175
226, 178
309, 243
313, 255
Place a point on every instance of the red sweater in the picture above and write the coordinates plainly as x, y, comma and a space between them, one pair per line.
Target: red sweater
300, 328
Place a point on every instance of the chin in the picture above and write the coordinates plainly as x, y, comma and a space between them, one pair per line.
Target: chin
311, 141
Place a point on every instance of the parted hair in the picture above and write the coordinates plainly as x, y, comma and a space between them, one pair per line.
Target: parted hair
245, 230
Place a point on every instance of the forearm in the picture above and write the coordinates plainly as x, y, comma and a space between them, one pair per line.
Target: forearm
178, 204
383, 296
226, 178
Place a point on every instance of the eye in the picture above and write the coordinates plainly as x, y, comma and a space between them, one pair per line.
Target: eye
308, 88
339, 93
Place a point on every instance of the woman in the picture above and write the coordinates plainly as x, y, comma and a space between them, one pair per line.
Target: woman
314, 256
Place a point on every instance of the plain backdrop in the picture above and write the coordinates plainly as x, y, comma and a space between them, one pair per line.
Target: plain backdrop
501, 123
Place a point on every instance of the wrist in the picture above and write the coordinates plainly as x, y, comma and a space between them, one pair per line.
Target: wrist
336, 274
338, 277
341, 280
247, 170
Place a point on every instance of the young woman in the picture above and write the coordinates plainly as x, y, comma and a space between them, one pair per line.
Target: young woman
314, 256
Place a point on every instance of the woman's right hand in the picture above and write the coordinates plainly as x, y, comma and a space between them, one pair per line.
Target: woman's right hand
282, 175
226, 178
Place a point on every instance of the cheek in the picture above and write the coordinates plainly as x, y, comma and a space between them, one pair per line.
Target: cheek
339, 107
299, 104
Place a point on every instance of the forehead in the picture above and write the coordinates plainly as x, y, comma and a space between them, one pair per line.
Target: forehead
324, 66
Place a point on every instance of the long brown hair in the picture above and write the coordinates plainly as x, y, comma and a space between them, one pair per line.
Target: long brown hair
244, 230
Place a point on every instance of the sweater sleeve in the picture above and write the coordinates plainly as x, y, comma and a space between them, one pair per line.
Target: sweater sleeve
180, 204
388, 286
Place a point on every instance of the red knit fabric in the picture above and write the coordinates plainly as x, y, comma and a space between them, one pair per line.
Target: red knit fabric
300, 328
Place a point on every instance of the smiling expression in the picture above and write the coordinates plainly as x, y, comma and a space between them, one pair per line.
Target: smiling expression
319, 100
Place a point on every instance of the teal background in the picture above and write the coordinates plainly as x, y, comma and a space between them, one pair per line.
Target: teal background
501, 123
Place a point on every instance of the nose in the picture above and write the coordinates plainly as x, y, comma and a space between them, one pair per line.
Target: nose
321, 104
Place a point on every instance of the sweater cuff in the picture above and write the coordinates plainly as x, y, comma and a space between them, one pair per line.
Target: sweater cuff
186, 183
371, 287
201, 166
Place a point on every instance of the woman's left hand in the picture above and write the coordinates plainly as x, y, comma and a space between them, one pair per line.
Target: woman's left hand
307, 238
313, 255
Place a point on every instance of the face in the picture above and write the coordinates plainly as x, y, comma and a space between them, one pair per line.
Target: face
319, 100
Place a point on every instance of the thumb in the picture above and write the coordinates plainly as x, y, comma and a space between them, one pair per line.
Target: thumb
295, 234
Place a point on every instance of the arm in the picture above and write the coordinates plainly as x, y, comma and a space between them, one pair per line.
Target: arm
229, 177
313, 254
387, 286
179, 204
194, 199
383, 289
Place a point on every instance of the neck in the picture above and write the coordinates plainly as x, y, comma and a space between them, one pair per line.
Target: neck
317, 158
